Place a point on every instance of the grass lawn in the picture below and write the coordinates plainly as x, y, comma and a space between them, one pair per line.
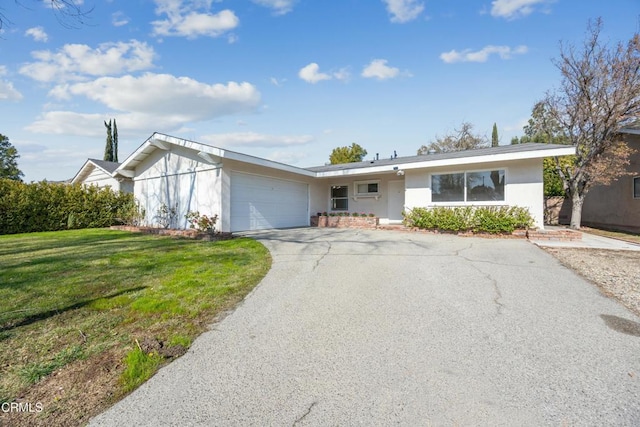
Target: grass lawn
88, 315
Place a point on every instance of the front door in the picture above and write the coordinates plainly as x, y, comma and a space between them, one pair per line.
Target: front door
396, 201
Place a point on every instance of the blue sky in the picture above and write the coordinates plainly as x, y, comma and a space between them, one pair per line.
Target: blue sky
287, 80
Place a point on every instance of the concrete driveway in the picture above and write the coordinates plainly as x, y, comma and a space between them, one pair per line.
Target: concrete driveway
389, 328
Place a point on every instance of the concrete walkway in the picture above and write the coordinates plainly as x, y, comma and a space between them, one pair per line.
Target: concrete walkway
590, 241
384, 328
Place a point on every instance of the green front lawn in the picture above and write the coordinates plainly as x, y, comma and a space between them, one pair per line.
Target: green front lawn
110, 307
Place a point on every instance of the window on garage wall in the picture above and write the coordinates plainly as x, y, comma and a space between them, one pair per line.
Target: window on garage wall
339, 198
636, 187
472, 186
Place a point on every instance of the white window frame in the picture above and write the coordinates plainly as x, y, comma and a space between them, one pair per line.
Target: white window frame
465, 202
367, 194
331, 198
633, 188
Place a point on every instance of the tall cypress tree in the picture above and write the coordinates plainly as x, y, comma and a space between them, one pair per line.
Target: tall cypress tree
108, 149
115, 141
494, 136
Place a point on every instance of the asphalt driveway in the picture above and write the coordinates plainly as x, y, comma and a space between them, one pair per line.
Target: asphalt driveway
383, 327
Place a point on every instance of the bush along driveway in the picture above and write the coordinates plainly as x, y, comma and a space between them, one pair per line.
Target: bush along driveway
87, 316
359, 327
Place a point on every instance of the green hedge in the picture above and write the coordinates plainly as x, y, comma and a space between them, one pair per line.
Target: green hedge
46, 206
479, 219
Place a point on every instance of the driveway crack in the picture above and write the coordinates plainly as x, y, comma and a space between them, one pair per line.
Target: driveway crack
319, 260
305, 414
497, 300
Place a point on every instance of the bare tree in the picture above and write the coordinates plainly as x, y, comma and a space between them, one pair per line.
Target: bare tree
598, 96
461, 139
68, 12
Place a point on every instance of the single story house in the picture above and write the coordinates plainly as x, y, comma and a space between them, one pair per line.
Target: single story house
617, 206
172, 176
101, 173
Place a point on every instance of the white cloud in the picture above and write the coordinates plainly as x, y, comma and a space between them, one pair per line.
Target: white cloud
288, 157
404, 10
253, 139
119, 19
151, 101
77, 61
311, 74
280, 7
342, 74
277, 82
7, 91
166, 95
37, 33
70, 123
482, 55
511, 9
192, 19
379, 69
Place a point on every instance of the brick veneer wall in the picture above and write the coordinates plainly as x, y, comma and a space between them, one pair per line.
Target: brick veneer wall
345, 222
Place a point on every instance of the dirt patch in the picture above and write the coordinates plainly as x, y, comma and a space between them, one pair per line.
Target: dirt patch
616, 273
71, 395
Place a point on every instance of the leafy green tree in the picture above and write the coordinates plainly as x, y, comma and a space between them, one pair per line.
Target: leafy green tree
108, 148
354, 153
461, 139
599, 94
541, 129
8, 160
494, 136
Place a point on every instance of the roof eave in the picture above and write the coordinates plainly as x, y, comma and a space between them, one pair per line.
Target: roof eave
489, 158
162, 141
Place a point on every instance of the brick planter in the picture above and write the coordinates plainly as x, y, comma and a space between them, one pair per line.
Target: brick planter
190, 234
363, 222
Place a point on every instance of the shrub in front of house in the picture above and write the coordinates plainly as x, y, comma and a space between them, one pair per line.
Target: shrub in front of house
477, 219
48, 206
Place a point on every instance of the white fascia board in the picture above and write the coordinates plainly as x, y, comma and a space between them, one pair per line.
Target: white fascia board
83, 172
363, 171
491, 158
232, 155
266, 163
158, 140
127, 173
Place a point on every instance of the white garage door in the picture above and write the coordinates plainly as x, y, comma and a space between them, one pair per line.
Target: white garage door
260, 202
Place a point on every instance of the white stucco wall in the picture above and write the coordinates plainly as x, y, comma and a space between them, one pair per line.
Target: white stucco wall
101, 179
523, 186
179, 179
378, 206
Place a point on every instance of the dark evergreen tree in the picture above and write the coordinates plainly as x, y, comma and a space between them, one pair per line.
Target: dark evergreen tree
494, 136
8, 160
108, 149
115, 141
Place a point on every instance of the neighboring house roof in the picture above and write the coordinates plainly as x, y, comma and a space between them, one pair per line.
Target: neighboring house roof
108, 167
215, 155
